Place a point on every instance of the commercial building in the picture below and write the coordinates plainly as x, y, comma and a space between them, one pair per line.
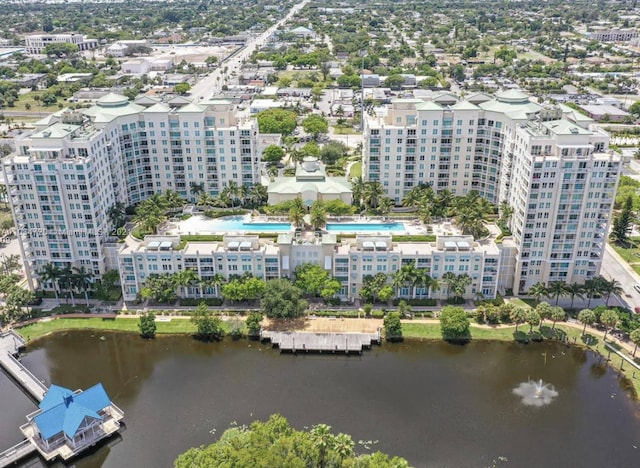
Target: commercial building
552, 166
613, 35
64, 177
35, 44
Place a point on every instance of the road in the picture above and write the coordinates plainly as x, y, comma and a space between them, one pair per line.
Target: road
212, 83
613, 267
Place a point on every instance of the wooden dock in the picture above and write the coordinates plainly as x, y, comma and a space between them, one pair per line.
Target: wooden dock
307, 342
10, 344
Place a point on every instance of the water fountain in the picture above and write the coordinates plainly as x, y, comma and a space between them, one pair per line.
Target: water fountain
535, 393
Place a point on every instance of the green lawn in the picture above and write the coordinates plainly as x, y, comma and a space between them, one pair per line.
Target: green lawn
356, 170
429, 331
35, 106
124, 324
345, 131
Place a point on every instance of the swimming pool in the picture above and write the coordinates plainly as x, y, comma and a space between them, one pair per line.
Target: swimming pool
365, 227
231, 224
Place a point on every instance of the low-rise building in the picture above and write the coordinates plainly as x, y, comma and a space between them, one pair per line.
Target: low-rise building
36, 43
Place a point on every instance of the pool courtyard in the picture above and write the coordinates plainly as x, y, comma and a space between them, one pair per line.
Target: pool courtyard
244, 224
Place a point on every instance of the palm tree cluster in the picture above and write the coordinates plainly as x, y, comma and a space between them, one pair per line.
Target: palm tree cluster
162, 288
598, 286
232, 195
371, 195
67, 278
469, 211
456, 284
415, 279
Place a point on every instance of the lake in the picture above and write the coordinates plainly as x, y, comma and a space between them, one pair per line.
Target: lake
433, 403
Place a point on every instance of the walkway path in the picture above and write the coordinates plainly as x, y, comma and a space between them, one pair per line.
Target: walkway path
10, 343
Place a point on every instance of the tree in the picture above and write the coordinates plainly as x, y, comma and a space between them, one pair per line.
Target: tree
538, 290
147, 325
196, 188
182, 88
275, 443
518, 315
454, 324
372, 193
84, 281
315, 125
150, 214
449, 277
622, 222
586, 317
50, 273
609, 288
609, 319
160, 288
61, 49
273, 154
282, 300
209, 328
573, 290
311, 278
533, 319
371, 286
394, 81
16, 300
557, 313
318, 215
333, 151
544, 310
460, 284
393, 327
173, 199
117, 214
557, 289
277, 121
254, 323
593, 287
635, 339
296, 216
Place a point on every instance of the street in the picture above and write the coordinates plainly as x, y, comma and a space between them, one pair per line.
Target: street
213, 82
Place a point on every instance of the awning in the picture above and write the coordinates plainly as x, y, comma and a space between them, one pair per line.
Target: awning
464, 245
245, 245
233, 245
368, 245
166, 245
381, 245
153, 245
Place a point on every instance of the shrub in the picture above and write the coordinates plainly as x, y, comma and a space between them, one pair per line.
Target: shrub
334, 301
377, 314
210, 301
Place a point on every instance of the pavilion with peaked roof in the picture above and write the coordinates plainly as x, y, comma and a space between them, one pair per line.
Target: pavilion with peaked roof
310, 184
68, 422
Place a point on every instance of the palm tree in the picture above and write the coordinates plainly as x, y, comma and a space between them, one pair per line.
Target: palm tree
173, 199
372, 193
538, 290
272, 172
593, 287
573, 290
610, 287
557, 289
460, 284
296, 216
318, 215
442, 203
544, 310
609, 318
68, 281
116, 214
196, 189
449, 277
216, 282
405, 276
244, 192
185, 278
50, 273
385, 205
83, 280
259, 195
206, 200
357, 187
587, 317
235, 191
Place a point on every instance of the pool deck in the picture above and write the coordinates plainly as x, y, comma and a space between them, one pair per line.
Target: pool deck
198, 224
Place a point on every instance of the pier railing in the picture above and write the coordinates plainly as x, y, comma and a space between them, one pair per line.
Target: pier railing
13, 454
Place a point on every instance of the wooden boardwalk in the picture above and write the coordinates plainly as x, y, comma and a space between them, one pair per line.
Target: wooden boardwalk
321, 342
10, 344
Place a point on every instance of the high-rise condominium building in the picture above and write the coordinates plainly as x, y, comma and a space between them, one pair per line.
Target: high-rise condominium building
552, 166
65, 176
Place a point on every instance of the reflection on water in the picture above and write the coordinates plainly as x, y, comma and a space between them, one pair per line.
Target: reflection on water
433, 403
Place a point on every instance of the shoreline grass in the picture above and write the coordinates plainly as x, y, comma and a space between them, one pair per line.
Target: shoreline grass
411, 331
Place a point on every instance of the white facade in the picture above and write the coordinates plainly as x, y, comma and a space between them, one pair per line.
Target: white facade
350, 261
64, 177
619, 35
36, 43
489, 145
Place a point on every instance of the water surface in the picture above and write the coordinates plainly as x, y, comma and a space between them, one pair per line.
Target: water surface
436, 404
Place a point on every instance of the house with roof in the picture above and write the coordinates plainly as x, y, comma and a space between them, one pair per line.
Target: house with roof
68, 422
303, 32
